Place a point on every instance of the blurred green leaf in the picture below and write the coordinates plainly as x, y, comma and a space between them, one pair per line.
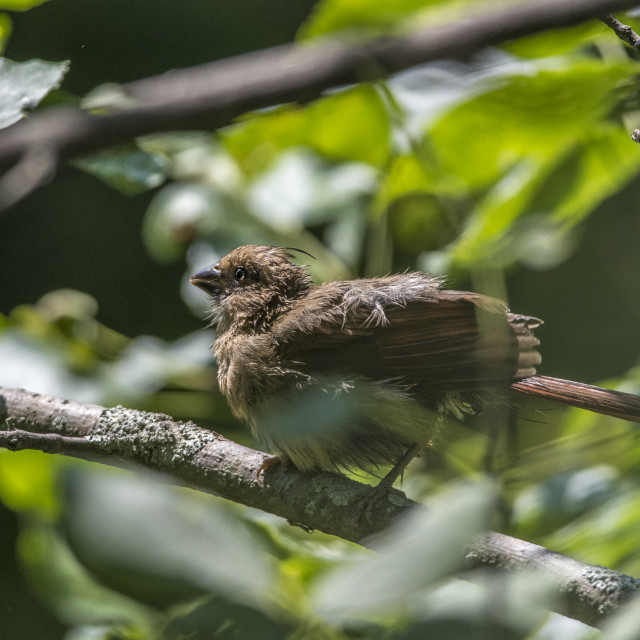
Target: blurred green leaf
58, 347
26, 482
520, 157
131, 171
420, 222
302, 190
20, 5
484, 236
179, 213
350, 125
24, 84
412, 554
66, 587
498, 604
559, 41
562, 497
405, 175
159, 544
607, 535
6, 27
219, 618
369, 16
535, 117
334, 414
605, 164
624, 623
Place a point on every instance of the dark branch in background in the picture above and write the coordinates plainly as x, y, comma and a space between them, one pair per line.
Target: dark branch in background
208, 462
623, 31
213, 95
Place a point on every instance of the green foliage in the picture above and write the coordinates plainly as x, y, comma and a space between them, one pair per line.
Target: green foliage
20, 5
495, 165
374, 17
350, 125
6, 27
158, 545
131, 171
25, 84
475, 200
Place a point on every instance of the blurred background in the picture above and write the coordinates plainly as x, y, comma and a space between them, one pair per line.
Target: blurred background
513, 173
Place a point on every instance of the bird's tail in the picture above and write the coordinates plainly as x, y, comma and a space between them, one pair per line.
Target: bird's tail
625, 406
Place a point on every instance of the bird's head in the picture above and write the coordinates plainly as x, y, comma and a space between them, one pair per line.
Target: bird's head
252, 285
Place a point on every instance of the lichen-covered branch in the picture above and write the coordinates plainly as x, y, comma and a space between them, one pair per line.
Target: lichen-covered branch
588, 592
209, 462
197, 457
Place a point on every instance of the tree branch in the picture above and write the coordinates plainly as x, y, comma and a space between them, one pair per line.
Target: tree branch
208, 462
623, 31
213, 95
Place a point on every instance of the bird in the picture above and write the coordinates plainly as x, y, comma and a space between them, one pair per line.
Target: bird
401, 352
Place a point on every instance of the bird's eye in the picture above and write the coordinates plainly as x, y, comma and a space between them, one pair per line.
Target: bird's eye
240, 274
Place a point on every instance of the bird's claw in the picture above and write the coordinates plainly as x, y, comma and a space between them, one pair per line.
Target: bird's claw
366, 504
267, 463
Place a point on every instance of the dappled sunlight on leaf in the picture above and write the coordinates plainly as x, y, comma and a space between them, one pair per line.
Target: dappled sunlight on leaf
129, 170
24, 84
350, 125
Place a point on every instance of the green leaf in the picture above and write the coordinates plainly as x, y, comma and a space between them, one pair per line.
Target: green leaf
159, 544
607, 160
24, 84
624, 623
67, 588
559, 41
592, 536
515, 171
377, 15
224, 620
538, 116
506, 605
405, 175
349, 125
6, 27
484, 235
130, 170
181, 212
415, 553
26, 481
20, 5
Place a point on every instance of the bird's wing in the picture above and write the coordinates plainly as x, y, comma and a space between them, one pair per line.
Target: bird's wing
450, 341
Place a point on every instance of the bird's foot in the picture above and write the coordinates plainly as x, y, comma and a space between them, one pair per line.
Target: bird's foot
365, 505
267, 463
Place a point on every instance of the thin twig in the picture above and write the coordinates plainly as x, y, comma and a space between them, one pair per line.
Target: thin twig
33, 170
18, 440
623, 31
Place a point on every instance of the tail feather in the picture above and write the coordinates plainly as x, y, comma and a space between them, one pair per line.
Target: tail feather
625, 406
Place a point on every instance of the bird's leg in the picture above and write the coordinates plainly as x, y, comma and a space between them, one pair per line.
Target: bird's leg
385, 485
397, 470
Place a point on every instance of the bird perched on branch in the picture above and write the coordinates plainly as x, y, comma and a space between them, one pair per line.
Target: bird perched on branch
400, 350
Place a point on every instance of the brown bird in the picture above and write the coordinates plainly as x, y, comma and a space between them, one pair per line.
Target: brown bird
398, 351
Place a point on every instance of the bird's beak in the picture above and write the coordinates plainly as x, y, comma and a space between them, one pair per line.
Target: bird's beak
208, 279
